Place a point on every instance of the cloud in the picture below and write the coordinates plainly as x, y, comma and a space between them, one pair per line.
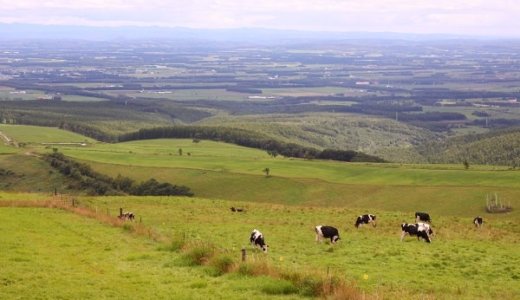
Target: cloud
498, 17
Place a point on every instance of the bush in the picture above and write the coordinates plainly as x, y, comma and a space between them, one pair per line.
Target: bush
223, 264
199, 255
279, 287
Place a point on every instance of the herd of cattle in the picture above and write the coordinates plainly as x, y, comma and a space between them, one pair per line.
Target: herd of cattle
421, 229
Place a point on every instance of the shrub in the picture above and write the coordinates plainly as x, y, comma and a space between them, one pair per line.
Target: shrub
279, 287
199, 255
223, 264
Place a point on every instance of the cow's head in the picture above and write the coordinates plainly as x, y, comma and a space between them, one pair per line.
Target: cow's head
335, 239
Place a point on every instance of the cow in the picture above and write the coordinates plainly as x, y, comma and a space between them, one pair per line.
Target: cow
236, 209
421, 230
257, 239
478, 221
127, 216
327, 232
365, 219
422, 216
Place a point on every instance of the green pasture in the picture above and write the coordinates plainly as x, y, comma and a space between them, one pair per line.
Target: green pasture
450, 200
13, 94
51, 254
311, 91
220, 157
6, 149
76, 98
31, 174
185, 94
461, 263
36, 134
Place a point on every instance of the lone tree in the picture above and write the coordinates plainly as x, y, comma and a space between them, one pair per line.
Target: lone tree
466, 164
266, 171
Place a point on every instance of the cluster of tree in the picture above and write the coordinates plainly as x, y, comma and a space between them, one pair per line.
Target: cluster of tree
497, 148
497, 123
98, 184
248, 139
433, 116
480, 114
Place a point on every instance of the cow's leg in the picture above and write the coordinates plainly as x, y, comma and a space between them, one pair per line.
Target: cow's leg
402, 235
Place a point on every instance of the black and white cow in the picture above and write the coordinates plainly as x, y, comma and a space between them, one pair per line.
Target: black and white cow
236, 209
478, 221
365, 219
422, 216
127, 216
421, 230
257, 239
327, 232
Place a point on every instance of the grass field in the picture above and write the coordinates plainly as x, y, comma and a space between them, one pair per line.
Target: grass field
222, 171
36, 134
51, 254
6, 149
461, 263
220, 157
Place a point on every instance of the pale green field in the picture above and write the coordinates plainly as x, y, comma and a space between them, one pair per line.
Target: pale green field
50, 254
187, 94
312, 91
36, 134
13, 94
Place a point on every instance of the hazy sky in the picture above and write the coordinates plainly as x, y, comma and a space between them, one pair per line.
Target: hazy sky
474, 17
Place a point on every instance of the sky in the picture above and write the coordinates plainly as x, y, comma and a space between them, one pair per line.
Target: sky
499, 18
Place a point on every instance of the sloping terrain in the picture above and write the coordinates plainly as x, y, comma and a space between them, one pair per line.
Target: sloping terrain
494, 148
382, 137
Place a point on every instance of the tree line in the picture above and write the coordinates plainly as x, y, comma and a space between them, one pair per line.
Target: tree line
248, 139
95, 183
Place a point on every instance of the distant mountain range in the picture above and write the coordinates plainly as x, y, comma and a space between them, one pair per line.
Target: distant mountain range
259, 35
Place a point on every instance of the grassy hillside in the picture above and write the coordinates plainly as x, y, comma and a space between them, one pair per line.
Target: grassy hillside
223, 171
372, 135
31, 174
461, 262
501, 148
56, 255
37, 134
220, 157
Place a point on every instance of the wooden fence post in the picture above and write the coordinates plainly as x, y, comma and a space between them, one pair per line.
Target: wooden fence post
244, 254
120, 211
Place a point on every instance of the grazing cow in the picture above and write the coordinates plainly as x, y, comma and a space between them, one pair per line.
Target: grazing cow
422, 216
257, 239
127, 216
421, 230
478, 221
365, 219
327, 232
237, 209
